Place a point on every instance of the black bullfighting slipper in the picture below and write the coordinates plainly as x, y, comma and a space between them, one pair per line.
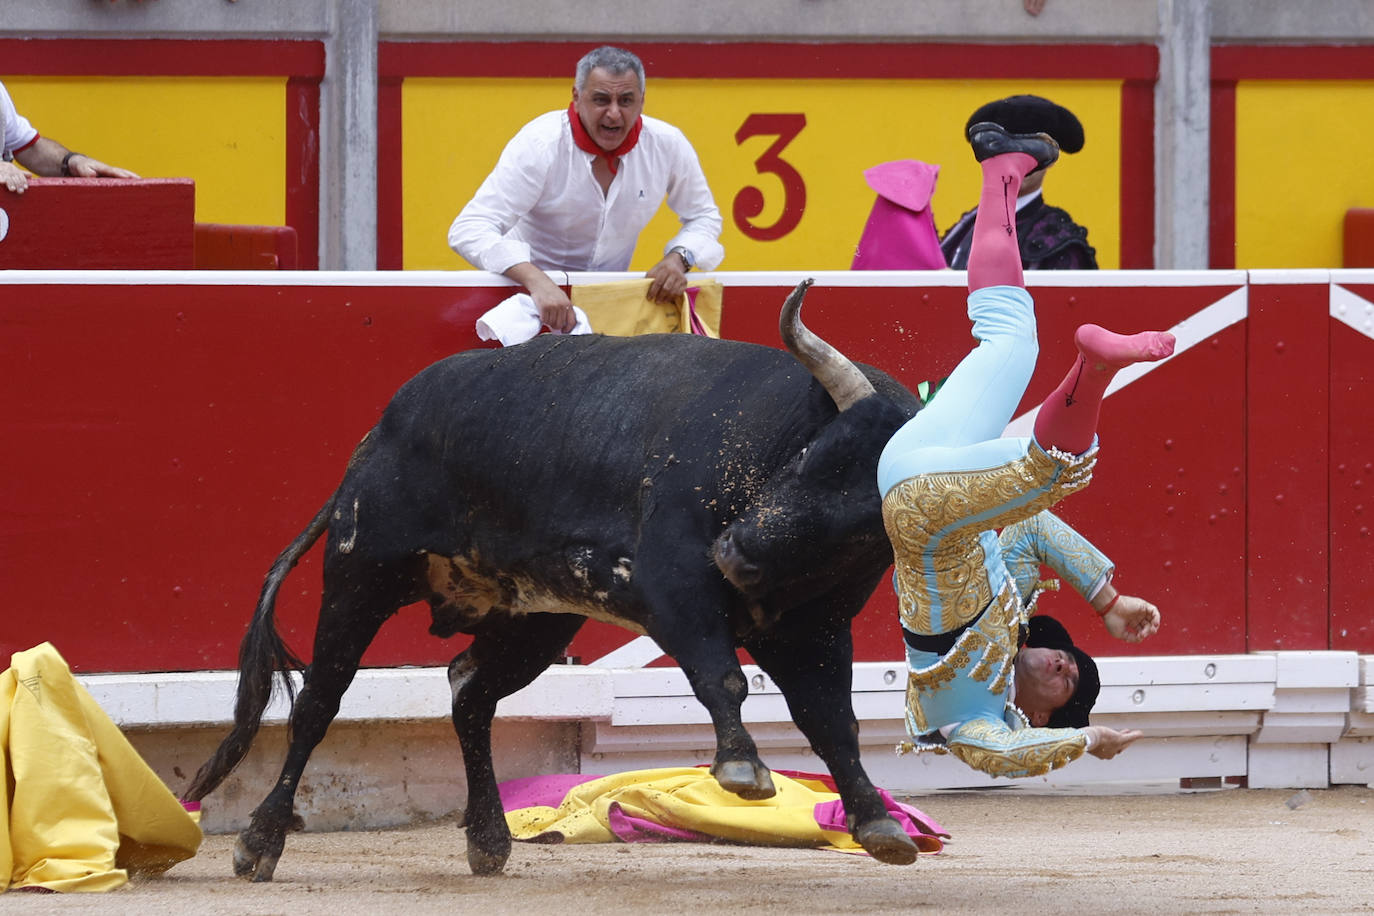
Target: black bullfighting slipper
989, 139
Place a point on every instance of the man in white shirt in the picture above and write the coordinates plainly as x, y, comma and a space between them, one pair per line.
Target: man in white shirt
574, 189
40, 155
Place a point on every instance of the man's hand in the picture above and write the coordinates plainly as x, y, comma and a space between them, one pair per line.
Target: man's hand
1108, 742
670, 279
83, 166
555, 308
1132, 619
13, 177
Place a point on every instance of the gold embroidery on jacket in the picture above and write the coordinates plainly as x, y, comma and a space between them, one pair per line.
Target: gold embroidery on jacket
1033, 752
938, 507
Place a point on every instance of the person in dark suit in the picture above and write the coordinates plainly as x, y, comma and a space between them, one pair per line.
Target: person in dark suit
1049, 237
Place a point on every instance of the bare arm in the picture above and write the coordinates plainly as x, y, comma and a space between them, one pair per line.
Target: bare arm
45, 157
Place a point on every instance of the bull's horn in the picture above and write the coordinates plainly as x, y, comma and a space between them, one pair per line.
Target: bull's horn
841, 378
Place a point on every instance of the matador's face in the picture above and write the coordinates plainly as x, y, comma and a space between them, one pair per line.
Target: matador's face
1045, 680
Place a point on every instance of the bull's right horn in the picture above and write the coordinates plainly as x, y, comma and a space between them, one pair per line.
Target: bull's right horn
840, 377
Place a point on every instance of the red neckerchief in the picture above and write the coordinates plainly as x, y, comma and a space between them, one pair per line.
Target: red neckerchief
585, 142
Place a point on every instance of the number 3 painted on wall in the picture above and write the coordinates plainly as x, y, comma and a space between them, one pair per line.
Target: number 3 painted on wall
749, 201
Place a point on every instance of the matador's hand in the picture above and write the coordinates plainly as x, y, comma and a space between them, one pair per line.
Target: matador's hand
1108, 742
1132, 619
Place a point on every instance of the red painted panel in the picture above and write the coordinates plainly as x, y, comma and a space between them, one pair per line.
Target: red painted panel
1287, 474
390, 170
1293, 62
303, 167
1221, 238
1352, 482
1137, 175
778, 60
164, 443
1167, 502
97, 224
161, 57
231, 247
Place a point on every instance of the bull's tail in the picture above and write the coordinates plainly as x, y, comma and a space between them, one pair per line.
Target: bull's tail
261, 654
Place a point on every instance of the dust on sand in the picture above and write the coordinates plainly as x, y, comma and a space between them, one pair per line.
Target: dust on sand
1223, 851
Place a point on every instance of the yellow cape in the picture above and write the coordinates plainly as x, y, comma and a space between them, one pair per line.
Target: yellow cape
622, 308
85, 809
690, 798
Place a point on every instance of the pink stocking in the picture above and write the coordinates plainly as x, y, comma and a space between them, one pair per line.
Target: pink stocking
995, 256
1068, 417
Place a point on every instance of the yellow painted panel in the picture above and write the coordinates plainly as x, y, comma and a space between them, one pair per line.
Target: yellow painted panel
1302, 160
454, 130
227, 134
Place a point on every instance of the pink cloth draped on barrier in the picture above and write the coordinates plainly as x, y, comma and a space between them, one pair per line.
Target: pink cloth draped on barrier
900, 233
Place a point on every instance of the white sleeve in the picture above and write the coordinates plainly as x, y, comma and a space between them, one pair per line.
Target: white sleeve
690, 198
18, 132
512, 189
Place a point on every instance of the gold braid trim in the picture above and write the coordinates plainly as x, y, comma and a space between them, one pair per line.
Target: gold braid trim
992, 639
995, 749
928, 507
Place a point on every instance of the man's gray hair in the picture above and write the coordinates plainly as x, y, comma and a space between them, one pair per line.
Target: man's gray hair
614, 61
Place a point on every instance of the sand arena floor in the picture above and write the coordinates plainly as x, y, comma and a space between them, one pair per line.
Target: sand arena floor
1222, 851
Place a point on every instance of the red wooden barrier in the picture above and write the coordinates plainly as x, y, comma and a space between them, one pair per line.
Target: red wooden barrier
98, 224
166, 437
1358, 237
231, 247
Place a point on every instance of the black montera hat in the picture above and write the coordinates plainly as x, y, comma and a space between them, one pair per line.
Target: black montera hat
1047, 633
1030, 114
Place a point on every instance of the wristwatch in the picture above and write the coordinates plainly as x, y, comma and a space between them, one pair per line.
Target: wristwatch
687, 257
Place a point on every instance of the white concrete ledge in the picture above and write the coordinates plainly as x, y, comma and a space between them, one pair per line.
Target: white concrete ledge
204, 698
1276, 719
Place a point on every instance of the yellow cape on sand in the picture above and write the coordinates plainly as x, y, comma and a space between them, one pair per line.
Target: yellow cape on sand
622, 308
689, 798
81, 808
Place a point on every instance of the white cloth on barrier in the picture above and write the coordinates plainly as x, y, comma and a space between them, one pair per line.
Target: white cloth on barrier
516, 320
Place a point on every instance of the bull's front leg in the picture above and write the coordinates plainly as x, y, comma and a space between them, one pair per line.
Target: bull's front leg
811, 661
700, 641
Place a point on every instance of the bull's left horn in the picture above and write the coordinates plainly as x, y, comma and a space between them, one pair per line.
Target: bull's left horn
840, 377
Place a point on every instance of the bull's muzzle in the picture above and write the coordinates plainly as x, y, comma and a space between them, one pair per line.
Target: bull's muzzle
742, 573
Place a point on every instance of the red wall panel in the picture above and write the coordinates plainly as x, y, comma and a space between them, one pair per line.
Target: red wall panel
1286, 474
1351, 573
165, 440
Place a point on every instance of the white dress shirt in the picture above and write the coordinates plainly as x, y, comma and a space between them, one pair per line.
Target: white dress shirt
18, 132
542, 204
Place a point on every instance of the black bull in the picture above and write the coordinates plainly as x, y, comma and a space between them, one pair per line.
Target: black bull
709, 493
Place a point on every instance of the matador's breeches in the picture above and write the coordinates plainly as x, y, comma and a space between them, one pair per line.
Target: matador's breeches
942, 527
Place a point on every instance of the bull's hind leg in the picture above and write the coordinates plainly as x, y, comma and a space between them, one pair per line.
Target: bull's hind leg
810, 658
349, 619
506, 654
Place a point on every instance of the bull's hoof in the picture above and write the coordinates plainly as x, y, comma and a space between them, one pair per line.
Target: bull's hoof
253, 865
485, 863
886, 841
748, 780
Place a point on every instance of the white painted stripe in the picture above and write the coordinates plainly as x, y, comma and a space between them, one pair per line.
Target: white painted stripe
1299, 277
333, 278
914, 279
1352, 311
1191, 331
636, 653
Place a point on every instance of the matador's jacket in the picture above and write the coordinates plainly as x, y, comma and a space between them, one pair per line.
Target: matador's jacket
958, 579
